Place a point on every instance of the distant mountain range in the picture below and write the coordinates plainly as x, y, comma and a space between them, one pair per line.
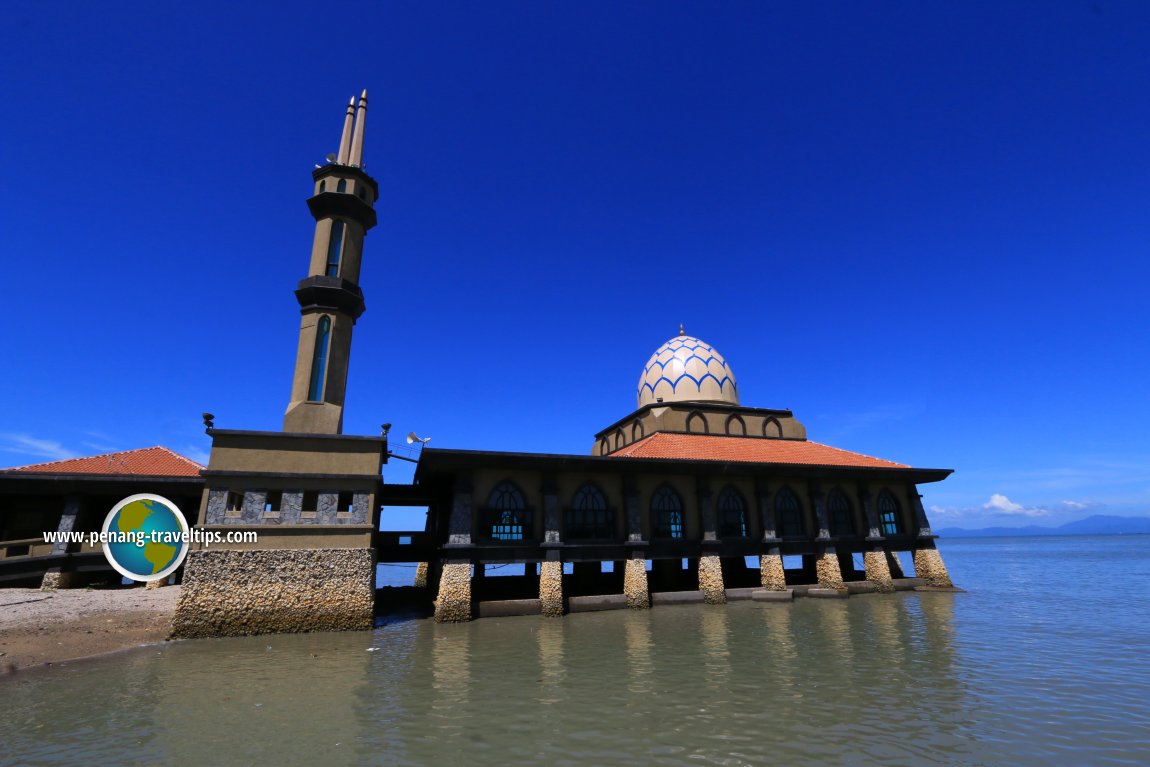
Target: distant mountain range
1099, 524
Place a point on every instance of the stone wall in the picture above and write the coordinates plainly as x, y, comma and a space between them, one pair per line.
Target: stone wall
454, 602
236, 593
774, 578
711, 580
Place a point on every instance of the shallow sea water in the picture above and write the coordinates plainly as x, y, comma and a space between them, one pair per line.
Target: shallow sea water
1045, 660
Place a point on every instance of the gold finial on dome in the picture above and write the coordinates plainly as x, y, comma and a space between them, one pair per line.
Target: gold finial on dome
681, 329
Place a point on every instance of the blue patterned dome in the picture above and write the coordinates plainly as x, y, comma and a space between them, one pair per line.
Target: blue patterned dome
686, 369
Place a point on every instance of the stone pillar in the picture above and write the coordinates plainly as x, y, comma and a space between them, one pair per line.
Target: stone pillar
771, 570
550, 509
928, 566
421, 575
921, 523
634, 513
56, 578
454, 602
459, 525
706, 509
829, 574
711, 580
877, 570
635, 584
551, 588
766, 512
819, 505
872, 523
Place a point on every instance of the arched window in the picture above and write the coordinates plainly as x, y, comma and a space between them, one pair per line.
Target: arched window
637, 431
335, 248
341, 187
604, 446
319, 359
732, 514
736, 426
323, 186
619, 438
839, 512
507, 515
888, 515
771, 428
696, 423
666, 513
788, 514
589, 518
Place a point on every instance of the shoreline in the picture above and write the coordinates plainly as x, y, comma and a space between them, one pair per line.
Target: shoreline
43, 628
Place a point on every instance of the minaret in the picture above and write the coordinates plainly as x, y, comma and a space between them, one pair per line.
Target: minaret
329, 297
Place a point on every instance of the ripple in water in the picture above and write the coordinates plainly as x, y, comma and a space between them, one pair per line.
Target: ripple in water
1044, 661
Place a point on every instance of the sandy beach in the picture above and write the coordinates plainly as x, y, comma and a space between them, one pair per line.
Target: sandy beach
46, 627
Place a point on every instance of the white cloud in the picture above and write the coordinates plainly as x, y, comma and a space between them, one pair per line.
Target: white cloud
34, 447
1076, 505
1000, 504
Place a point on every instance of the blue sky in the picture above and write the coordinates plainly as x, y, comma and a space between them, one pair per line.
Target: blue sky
922, 226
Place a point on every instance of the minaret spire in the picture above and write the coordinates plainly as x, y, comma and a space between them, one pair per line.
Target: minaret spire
330, 298
356, 159
345, 139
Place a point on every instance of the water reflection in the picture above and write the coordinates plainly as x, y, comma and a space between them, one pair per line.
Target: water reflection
713, 629
451, 672
549, 638
637, 631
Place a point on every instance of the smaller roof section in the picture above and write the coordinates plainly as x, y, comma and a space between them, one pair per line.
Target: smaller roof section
146, 462
711, 447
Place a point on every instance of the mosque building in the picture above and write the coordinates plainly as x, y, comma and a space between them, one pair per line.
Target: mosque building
673, 503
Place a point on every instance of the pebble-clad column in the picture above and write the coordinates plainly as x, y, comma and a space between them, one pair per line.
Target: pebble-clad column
774, 578
635, 584
771, 572
928, 565
830, 575
878, 571
711, 580
551, 588
421, 575
454, 602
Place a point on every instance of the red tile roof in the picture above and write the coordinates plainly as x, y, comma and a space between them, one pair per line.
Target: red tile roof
710, 447
145, 462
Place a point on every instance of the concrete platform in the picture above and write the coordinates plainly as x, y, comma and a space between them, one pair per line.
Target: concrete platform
861, 587
503, 608
819, 593
908, 584
762, 595
676, 597
734, 595
596, 602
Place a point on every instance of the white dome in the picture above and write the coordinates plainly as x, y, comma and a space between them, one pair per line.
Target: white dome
686, 369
